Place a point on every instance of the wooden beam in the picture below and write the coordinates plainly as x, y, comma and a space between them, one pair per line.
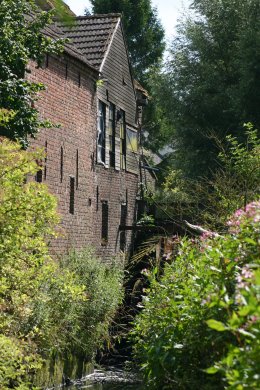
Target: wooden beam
140, 228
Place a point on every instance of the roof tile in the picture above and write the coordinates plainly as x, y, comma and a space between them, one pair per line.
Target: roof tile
91, 35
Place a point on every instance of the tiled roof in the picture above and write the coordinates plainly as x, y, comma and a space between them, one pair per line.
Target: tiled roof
91, 35
56, 33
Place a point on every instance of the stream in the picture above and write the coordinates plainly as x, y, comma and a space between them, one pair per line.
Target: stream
108, 379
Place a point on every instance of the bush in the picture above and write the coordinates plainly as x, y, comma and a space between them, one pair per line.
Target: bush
104, 293
210, 202
200, 324
16, 363
48, 307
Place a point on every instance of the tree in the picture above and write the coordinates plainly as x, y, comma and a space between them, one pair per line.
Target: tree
144, 32
212, 83
21, 40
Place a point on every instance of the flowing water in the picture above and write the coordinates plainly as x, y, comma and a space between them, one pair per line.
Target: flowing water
109, 379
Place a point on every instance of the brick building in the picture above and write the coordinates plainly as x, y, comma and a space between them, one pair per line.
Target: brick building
92, 161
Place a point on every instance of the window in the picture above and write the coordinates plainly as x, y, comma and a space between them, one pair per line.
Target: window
101, 133
104, 228
72, 195
111, 132
38, 176
122, 139
131, 140
39, 173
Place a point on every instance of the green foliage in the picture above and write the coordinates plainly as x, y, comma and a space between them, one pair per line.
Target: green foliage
16, 363
200, 324
104, 294
211, 201
21, 40
144, 32
211, 82
156, 121
47, 307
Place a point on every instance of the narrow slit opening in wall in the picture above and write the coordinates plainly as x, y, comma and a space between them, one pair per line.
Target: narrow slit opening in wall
61, 164
123, 220
79, 79
38, 176
66, 71
45, 160
72, 195
77, 169
104, 227
97, 198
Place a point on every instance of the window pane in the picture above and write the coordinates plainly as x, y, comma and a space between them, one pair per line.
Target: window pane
101, 136
131, 140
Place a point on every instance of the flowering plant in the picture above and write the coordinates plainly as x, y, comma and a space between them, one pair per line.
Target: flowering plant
199, 327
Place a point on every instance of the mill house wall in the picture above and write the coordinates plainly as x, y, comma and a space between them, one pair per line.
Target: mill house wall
90, 194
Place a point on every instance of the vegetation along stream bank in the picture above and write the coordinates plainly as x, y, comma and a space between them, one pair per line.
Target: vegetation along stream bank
129, 197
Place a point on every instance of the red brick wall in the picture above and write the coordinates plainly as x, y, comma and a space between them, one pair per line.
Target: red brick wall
73, 105
115, 187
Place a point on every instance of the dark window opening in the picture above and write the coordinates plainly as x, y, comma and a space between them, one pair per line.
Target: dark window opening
122, 140
72, 195
77, 169
61, 164
39, 173
66, 71
123, 220
38, 176
104, 229
101, 133
79, 79
112, 134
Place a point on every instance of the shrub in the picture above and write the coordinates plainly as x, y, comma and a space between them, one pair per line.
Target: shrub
202, 316
210, 202
47, 307
16, 363
104, 293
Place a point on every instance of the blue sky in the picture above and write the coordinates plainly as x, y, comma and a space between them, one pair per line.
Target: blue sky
168, 11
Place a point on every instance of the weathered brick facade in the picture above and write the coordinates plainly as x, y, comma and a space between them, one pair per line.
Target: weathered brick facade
73, 106
94, 198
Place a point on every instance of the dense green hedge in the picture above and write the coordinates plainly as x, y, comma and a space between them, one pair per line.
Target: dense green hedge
48, 308
199, 328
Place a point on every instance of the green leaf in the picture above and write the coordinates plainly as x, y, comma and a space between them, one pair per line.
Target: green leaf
217, 325
211, 370
244, 311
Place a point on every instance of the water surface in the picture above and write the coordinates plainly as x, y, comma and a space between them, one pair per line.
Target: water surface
108, 379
